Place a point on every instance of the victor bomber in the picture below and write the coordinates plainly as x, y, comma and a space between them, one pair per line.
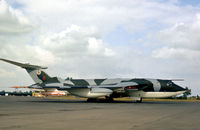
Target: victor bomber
92, 89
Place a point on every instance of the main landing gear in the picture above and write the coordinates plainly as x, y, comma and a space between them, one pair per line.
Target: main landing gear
91, 100
139, 101
107, 99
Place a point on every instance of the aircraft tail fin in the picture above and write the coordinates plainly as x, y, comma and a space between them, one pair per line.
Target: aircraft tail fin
34, 71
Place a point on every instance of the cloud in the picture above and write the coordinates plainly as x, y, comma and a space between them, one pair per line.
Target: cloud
182, 34
13, 21
106, 15
180, 41
96, 47
6, 74
176, 53
76, 41
28, 53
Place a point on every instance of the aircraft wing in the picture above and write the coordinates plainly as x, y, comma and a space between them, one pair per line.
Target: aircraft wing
103, 90
126, 86
119, 85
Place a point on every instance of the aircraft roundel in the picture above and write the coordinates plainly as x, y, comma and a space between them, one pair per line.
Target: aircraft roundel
43, 78
38, 72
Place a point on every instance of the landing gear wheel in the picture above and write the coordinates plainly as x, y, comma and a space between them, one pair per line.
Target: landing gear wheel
109, 99
139, 101
91, 100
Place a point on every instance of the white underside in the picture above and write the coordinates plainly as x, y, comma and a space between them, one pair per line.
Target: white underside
98, 92
88, 94
154, 94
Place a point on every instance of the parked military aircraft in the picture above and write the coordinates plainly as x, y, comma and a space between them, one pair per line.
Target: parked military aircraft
92, 89
44, 92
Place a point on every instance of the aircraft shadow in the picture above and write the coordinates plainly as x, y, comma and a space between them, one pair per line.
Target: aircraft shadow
103, 101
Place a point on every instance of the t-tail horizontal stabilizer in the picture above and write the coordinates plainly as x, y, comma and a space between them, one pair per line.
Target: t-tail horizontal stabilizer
25, 66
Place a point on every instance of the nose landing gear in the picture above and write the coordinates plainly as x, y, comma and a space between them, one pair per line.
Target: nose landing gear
140, 100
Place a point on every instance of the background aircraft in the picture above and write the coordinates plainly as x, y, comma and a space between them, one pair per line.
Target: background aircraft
136, 88
44, 92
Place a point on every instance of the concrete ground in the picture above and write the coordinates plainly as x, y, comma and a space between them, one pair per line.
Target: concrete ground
22, 113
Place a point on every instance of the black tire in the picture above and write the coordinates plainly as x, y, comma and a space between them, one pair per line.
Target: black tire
139, 101
91, 100
109, 99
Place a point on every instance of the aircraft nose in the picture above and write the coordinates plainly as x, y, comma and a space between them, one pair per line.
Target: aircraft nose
178, 88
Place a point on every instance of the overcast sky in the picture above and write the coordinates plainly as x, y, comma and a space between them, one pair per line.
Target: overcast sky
101, 39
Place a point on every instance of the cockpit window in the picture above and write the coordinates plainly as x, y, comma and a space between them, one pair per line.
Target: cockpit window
169, 84
68, 78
